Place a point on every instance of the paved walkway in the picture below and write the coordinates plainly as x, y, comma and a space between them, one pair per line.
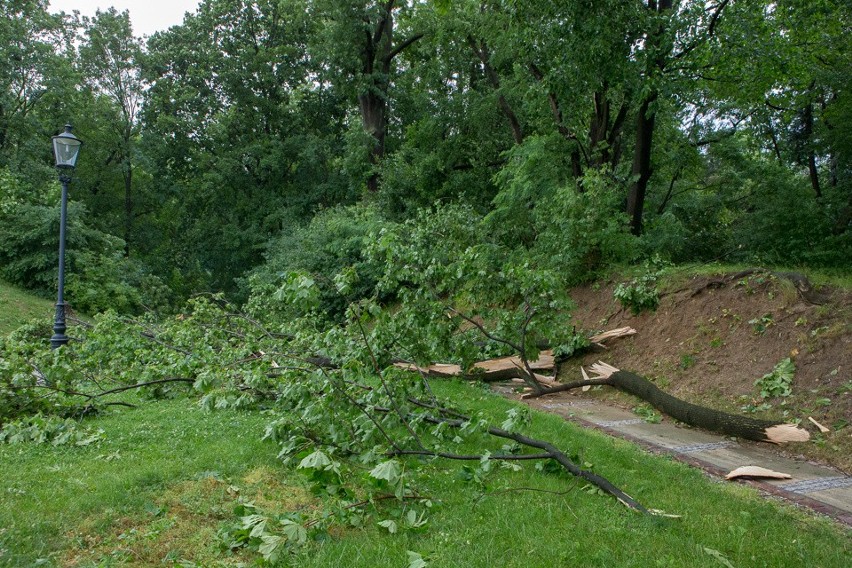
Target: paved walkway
818, 487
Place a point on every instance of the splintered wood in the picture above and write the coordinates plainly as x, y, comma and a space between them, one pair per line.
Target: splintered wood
545, 362
503, 368
755, 471
507, 368
783, 433
822, 428
611, 334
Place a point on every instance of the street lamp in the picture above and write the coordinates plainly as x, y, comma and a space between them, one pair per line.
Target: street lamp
66, 147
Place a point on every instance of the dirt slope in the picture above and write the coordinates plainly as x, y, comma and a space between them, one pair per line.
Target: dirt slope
712, 337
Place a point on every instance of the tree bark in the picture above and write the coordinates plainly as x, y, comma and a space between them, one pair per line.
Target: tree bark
377, 57
641, 163
482, 53
551, 452
808, 130
645, 121
556, 110
128, 203
692, 414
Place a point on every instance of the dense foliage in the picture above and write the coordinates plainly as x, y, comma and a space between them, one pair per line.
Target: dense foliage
705, 129
325, 187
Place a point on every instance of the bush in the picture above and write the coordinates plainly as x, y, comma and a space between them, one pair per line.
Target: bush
641, 294
577, 227
109, 280
98, 275
330, 250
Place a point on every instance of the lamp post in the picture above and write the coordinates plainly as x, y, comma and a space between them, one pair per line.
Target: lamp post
66, 147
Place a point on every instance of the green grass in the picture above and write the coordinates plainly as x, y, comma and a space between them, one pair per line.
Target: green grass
18, 307
58, 498
145, 496
839, 277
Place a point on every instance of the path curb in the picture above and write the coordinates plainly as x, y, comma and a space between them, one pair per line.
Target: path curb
826, 509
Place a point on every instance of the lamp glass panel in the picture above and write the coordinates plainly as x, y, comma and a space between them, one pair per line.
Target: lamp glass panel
66, 150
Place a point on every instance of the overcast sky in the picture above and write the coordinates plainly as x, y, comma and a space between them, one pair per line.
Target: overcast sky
147, 16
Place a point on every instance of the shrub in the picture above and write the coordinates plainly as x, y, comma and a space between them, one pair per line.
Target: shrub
575, 227
330, 250
777, 382
641, 294
98, 274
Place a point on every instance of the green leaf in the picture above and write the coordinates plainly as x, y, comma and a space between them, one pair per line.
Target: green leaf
389, 524
390, 471
269, 546
295, 532
415, 560
317, 460
718, 556
257, 524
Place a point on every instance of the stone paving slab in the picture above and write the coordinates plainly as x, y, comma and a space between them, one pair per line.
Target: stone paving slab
734, 457
819, 487
839, 498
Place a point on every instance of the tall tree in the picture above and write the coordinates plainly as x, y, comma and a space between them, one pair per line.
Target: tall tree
244, 138
35, 74
110, 60
360, 42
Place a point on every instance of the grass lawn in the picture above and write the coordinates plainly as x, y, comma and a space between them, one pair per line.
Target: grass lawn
17, 307
166, 476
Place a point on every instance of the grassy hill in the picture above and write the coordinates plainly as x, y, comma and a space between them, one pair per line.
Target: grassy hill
18, 306
166, 483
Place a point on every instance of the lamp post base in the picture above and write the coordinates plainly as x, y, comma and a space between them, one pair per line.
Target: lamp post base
59, 338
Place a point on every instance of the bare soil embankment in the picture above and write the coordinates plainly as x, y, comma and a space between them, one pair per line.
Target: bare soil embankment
713, 337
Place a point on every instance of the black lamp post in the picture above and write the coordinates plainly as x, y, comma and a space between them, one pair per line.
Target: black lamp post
66, 147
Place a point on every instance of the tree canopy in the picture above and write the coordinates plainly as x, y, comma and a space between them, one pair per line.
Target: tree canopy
584, 132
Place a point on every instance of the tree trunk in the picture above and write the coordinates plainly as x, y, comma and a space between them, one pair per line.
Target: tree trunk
377, 57
688, 413
694, 415
641, 163
808, 135
128, 205
481, 50
373, 117
646, 119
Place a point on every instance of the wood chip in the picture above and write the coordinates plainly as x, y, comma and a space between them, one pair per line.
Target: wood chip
783, 433
822, 428
545, 380
755, 471
612, 334
585, 378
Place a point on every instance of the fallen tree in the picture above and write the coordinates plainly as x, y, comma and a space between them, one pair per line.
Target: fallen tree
351, 404
523, 370
606, 375
688, 413
514, 367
